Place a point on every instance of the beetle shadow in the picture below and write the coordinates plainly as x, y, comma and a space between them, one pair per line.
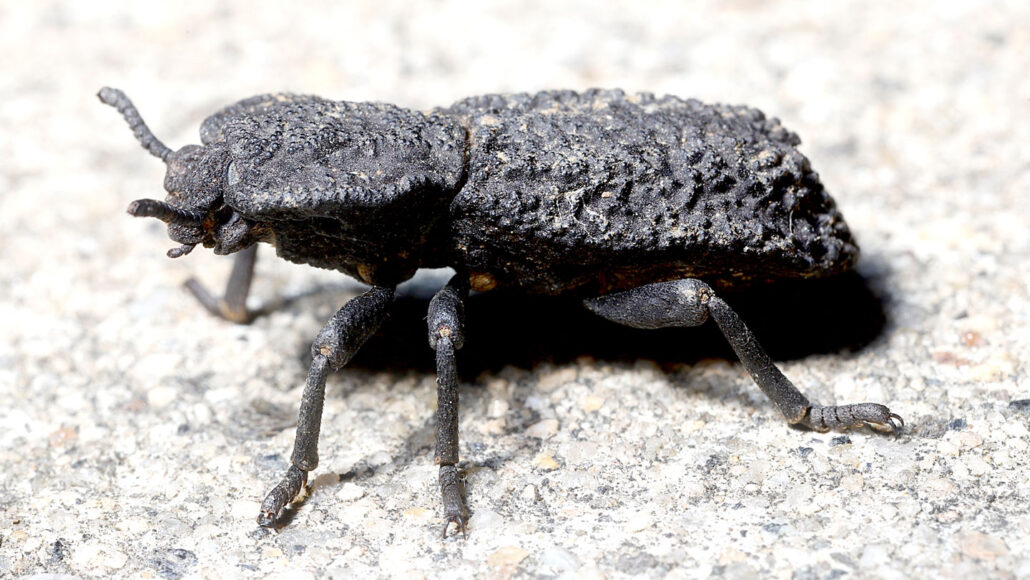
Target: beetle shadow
791, 319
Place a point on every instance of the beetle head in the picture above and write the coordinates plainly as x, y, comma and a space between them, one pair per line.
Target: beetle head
194, 208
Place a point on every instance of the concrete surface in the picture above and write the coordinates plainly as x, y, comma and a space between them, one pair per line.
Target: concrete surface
137, 434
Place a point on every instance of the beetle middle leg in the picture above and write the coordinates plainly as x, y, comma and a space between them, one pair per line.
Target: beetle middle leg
689, 302
233, 307
446, 335
338, 341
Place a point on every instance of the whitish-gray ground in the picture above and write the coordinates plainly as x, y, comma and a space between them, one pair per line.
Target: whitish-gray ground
138, 434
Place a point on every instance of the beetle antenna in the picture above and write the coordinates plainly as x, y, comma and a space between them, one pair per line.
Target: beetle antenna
165, 212
118, 100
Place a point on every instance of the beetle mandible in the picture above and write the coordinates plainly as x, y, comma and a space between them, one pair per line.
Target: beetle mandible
643, 207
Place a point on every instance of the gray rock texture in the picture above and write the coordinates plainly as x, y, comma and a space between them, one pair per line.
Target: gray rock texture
138, 434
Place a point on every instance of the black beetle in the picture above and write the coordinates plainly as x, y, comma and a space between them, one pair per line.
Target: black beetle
641, 206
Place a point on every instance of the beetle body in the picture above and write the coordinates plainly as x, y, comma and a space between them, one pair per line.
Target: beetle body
643, 207
553, 193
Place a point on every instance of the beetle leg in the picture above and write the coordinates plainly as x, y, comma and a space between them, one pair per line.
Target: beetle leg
338, 341
446, 335
234, 306
689, 302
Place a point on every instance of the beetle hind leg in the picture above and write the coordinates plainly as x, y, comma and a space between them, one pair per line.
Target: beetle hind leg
232, 307
689, 302
446, 335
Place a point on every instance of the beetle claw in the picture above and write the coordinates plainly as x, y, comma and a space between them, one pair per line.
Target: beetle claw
459, 522
267, 519
892, 423
896, 423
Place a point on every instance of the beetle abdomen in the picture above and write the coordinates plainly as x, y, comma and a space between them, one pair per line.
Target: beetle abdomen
598, 191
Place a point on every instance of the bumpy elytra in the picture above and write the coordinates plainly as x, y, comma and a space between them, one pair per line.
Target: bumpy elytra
643, 207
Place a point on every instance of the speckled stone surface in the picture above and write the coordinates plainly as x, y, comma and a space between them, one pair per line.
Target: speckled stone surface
138, 434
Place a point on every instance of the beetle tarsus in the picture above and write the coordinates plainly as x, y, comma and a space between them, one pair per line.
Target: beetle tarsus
841, 417
281, 495
452, 488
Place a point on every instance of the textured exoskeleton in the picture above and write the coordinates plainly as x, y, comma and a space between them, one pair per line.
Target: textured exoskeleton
644, 207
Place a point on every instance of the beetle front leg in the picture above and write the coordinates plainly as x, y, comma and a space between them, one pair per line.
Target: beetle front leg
233, 307
689, 302
338, 341
446, 335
